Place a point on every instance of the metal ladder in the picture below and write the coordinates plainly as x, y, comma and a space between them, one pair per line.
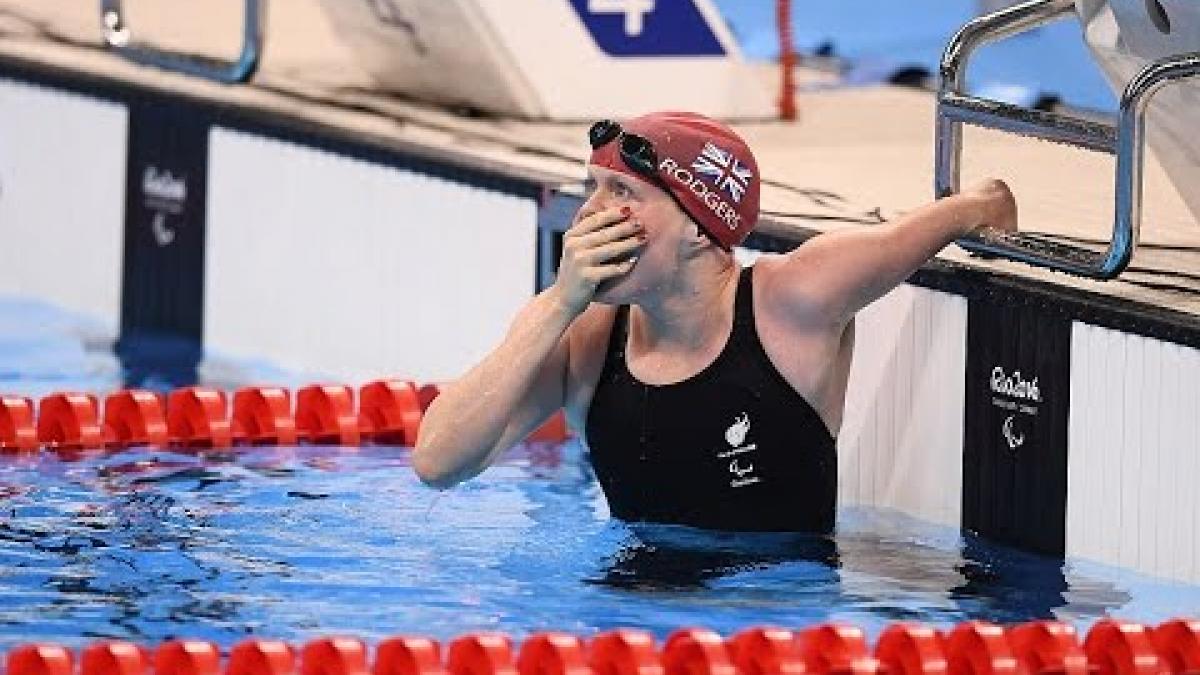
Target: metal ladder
117, 36
1127, 140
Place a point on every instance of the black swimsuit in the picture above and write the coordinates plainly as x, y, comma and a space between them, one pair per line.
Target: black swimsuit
732, 448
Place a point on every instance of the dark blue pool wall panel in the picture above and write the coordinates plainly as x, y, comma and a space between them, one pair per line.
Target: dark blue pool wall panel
162, 299
1018, 383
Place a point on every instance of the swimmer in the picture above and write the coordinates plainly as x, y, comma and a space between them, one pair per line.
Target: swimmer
708, 395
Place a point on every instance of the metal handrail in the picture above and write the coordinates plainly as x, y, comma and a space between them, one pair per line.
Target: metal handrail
1131, 138
1126, 140
117, 36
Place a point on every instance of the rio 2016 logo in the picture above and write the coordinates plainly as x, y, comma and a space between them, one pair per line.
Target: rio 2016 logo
164, 194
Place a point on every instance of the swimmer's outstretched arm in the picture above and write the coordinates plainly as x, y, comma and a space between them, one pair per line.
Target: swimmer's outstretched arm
522, 382
482, 412
835, 274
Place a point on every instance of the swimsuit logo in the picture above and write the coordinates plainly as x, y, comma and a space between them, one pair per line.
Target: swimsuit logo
736, 433
741, 472
727, 172
735, 436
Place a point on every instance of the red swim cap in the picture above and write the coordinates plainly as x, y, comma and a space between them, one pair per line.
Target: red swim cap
705, 164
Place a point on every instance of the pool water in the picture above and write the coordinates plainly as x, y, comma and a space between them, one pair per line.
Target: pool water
299, 542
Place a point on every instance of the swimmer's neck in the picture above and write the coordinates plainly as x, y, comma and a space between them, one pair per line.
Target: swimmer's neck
690, 313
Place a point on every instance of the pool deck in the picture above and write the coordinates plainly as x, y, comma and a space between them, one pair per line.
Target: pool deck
869, 147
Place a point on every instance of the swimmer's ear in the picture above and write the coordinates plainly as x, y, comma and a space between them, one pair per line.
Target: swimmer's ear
698, 243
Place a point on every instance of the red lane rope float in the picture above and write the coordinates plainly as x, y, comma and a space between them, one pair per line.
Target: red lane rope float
390, 412
1121, 648
1048, 647
261, 657
115, 658
766, 650
696, 651
1039, 647
554, 430
187, 657
481, 654
979, 648
325, 415
1178, 645
624, 651
17, 429
836, 648
334, 656
426, 393
911, 649
197, 417
408, 656
263, 416
70, 421
553, 654
135, 417
39, 659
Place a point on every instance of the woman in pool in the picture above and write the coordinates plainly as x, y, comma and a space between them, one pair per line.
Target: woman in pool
709, 395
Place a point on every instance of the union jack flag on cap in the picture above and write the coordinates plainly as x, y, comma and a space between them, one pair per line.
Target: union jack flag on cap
727, 172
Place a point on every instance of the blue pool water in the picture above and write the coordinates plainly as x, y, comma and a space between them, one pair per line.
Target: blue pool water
296, 542
879, 37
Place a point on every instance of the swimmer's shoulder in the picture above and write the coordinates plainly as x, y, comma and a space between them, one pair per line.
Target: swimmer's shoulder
772, 274
788, 291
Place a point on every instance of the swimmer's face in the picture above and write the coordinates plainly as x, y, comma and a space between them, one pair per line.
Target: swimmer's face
669, 231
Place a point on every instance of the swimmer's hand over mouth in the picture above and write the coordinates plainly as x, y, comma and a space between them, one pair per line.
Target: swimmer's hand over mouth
599, 247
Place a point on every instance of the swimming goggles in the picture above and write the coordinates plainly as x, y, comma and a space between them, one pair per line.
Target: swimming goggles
636, 151
638, 154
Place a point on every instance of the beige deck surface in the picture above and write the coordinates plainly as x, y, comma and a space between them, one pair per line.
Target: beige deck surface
871, 147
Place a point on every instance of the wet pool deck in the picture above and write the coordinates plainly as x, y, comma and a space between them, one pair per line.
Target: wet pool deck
853, 151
